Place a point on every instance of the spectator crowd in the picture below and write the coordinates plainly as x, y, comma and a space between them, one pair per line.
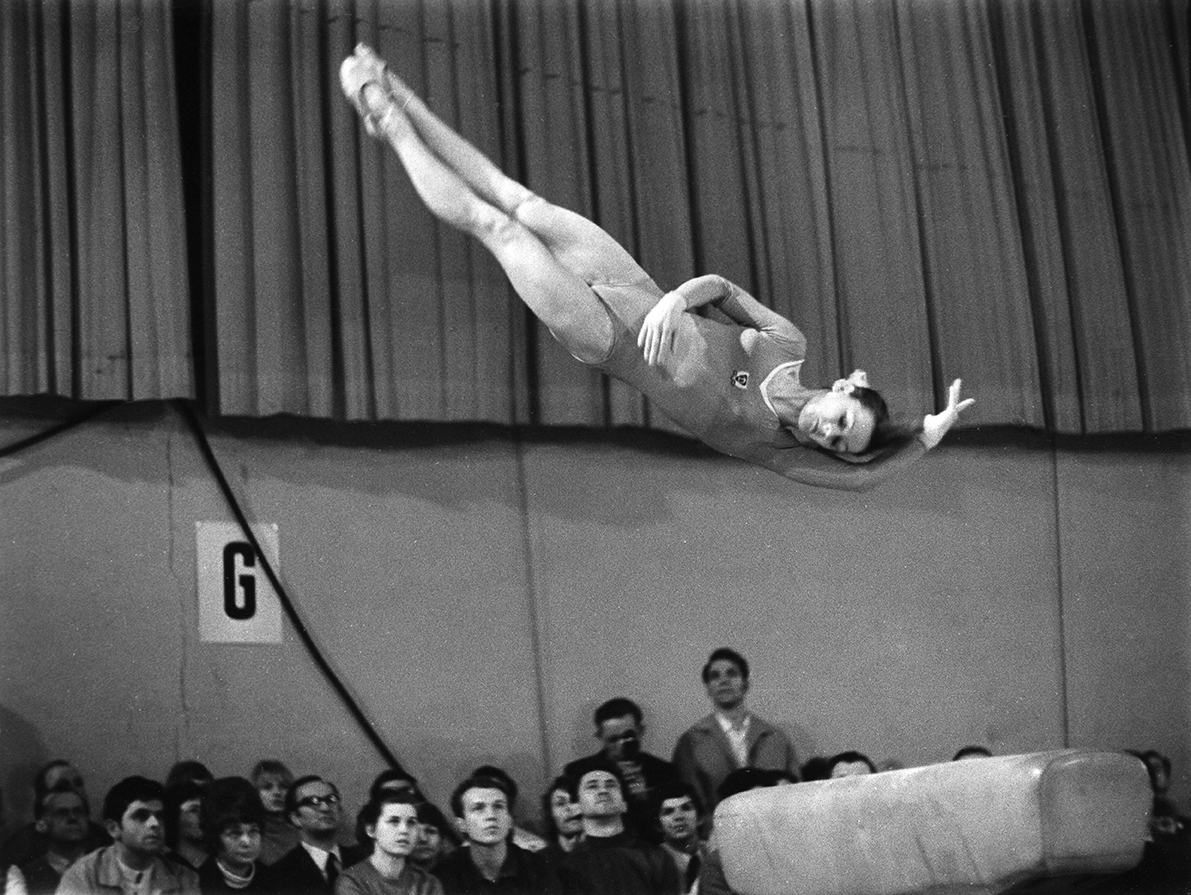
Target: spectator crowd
620, 821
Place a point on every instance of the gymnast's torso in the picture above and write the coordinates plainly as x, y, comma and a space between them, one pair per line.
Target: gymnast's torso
713, 384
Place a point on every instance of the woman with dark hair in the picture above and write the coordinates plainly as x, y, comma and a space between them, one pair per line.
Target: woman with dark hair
560, 815
735, 385
390, 824
183, 822
232, 819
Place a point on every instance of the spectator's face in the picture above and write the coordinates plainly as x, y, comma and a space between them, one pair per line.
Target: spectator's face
621, 738
317, 808
240, 845
850, 769
141, 829
567, 817
64, 817
190, 827
272, 789
486, 819
1159, 777
429, 844
678, 820
65, 774
600, 795
725, 684
397, 829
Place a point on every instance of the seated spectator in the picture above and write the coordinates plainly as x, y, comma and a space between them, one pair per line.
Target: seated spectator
188, 771
560, 813
609, 860
395, 780
271, 779
850, 764
620, 728
62, 820
312, 866
183, 822
1165, 816
817, 767
232, 818
679, 816
522, 838
134, 814
390, 823
969, 752
436, 837
483, 809
744, 779
26, 843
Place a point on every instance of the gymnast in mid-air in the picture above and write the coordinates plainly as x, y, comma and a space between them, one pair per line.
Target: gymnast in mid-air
733, 385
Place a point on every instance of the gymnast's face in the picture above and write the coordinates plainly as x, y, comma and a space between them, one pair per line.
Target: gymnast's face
837, 421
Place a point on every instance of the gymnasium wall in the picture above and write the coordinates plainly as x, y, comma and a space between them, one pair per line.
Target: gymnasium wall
481, 590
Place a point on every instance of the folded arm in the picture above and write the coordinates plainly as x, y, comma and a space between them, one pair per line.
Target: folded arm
656, 338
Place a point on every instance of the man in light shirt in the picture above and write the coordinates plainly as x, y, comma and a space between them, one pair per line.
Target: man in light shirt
731, 737
134, 815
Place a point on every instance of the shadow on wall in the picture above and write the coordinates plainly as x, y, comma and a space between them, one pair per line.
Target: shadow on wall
22, 754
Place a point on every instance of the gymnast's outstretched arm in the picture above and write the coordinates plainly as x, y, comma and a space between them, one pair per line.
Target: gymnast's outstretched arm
814, 467
656, 338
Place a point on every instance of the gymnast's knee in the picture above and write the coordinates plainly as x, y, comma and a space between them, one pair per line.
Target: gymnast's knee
528, 207
496, 229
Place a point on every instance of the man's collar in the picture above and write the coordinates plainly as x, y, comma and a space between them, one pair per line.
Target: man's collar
319, 853
726, 724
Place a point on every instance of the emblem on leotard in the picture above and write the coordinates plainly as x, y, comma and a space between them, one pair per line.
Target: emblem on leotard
740, 379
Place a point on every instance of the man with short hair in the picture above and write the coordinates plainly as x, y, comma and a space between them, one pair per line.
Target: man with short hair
731, 737
608, 859
491, 862
134, 814
312, 805
27, 843
620, 728
678, 817
62, 819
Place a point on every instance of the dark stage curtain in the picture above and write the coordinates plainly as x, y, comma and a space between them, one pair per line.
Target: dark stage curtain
94, 289
998, 190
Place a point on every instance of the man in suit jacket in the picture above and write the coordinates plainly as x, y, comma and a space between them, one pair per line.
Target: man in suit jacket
312, 805
620, 726
731, 737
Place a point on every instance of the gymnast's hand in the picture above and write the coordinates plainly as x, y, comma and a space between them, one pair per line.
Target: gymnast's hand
656, 338
935, 425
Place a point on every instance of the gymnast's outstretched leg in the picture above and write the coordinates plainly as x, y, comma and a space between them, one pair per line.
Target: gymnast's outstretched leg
578, 244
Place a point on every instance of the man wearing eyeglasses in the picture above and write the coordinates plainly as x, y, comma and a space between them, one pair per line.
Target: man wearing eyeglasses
311, 867
620, 726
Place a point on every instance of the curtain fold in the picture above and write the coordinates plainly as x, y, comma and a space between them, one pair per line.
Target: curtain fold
95, 283
998, 190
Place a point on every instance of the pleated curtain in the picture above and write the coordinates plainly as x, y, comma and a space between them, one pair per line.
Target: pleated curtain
95, 297
998, 190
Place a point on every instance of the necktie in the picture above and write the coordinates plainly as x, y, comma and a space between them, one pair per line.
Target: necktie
332, 869
692, 872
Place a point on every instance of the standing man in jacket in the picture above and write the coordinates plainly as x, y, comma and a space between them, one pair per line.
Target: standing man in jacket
731, 737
